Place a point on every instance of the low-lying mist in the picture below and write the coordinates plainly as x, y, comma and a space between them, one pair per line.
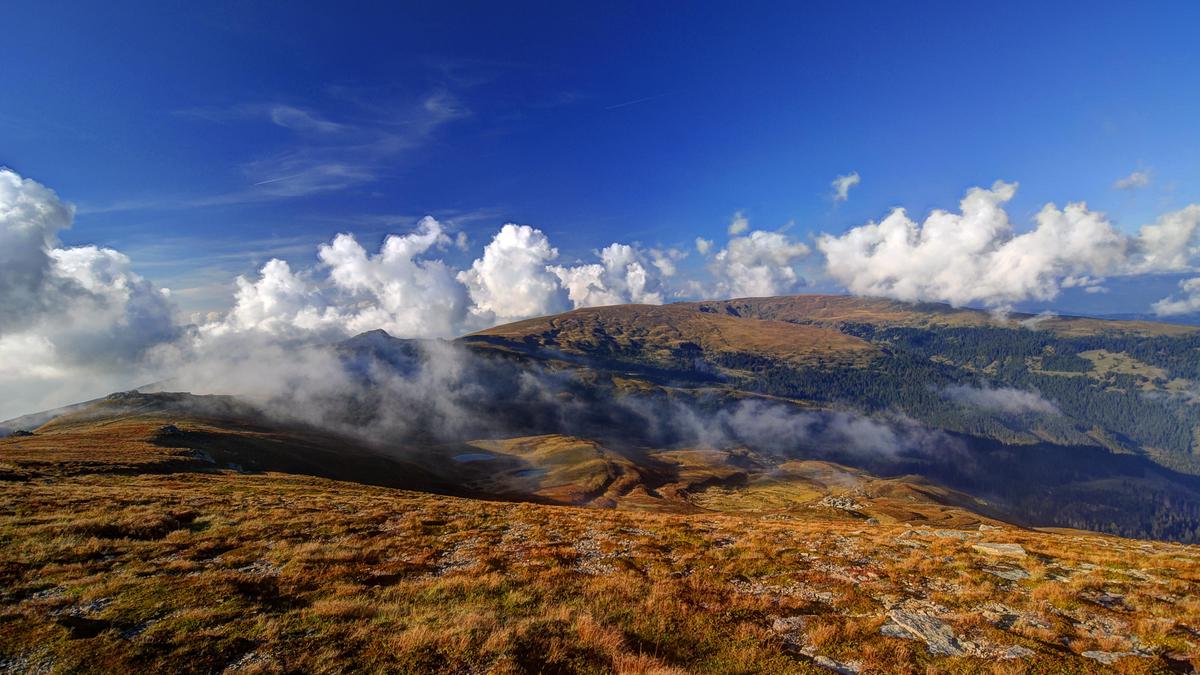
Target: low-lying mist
392, 393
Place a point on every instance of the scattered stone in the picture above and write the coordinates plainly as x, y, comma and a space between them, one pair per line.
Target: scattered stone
993, 548
1011, 574
790, 624
91, 608
894, 630
261, 568
25, 665
938, 637
843, 503
1017, 652
961, 535
984, 527
836, 666
169, 430
21, 433
1107, 658
756, 587
253, 662
51, 593
1110, 601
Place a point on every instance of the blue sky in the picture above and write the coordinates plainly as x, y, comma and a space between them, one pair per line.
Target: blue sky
202, 139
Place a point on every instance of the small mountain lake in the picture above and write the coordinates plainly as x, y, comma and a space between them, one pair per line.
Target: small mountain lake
473, 457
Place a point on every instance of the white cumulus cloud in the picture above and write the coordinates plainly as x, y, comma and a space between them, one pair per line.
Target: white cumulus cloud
400, 289
73, 321
625, 274
1187, 302
975, 255
738, 224
513, 280
1171, 244
759, 264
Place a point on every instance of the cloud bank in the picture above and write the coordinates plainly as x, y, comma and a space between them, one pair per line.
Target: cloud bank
975, 256
77, 322
66, 314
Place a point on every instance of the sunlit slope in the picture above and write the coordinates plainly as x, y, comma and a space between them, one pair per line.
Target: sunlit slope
834, 310
221, 571
674, 336
168, 433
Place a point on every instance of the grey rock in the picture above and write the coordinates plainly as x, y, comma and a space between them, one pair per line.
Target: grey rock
1107, 658
1011, 574
960, 535
788, 624
938, 637
835, 666
993, 548
1017, 652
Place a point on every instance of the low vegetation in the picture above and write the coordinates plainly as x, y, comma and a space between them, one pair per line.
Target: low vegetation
132, 562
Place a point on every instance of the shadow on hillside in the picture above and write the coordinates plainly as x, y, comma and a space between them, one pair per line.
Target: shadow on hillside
1085, 487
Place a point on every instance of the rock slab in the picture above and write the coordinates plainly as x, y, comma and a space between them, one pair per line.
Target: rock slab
992, 548
937, 636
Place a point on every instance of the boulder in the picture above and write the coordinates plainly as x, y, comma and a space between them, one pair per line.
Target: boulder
836, 666
1107, 658
937, 636
1011, 574
1017, 652
993, 548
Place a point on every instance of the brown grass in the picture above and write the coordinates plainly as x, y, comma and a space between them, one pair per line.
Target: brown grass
613, 331
121, 555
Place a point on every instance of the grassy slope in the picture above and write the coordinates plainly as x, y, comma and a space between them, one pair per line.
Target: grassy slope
204, 571
654, 332
831, 310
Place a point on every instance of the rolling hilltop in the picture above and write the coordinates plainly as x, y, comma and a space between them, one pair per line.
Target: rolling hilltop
1066, 420
796, 484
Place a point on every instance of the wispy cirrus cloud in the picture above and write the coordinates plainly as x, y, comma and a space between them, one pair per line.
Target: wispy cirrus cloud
322, 155
326, 155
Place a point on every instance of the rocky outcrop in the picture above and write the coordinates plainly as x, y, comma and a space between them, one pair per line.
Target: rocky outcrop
937, 636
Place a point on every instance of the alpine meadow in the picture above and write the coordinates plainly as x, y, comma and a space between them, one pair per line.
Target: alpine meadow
635, 338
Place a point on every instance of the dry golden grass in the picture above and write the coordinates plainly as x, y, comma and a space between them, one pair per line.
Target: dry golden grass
653, 331
118, 555
832, 310
275, 572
